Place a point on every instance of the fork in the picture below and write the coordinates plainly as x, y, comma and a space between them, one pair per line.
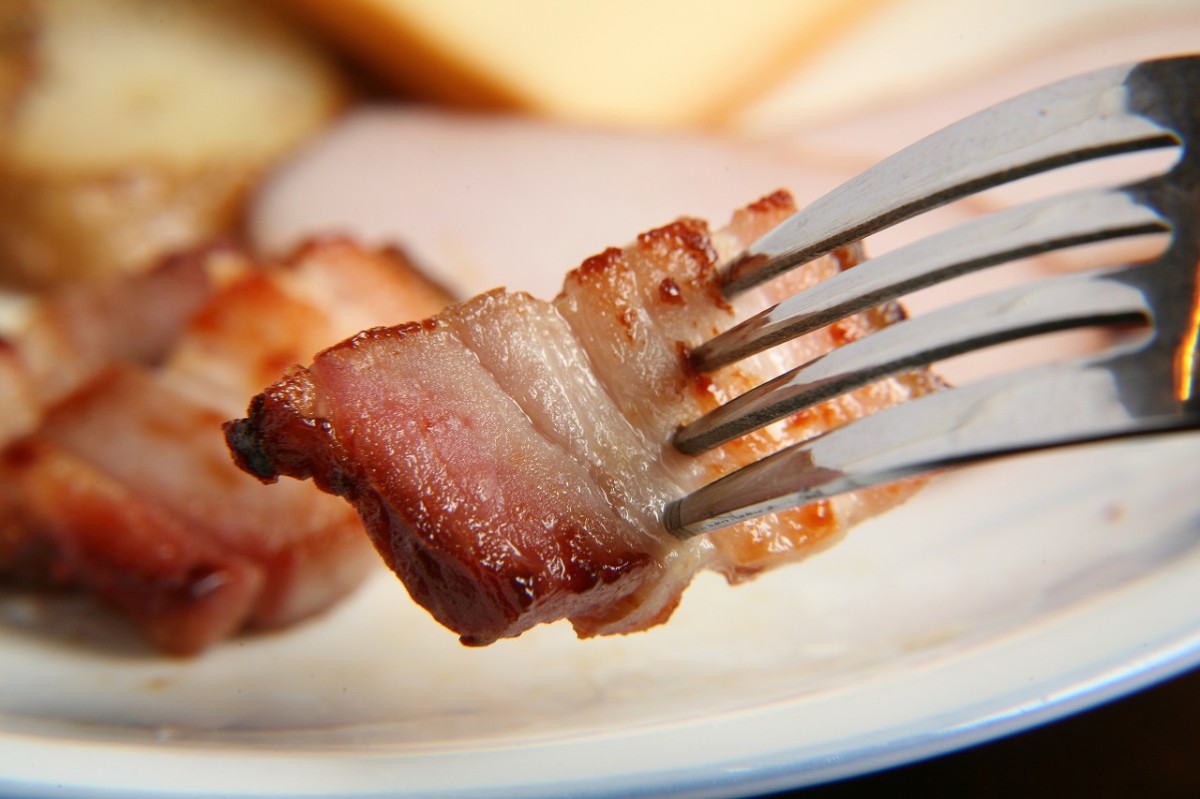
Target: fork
1141, 386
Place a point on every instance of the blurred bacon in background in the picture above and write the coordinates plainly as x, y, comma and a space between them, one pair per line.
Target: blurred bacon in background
767, 67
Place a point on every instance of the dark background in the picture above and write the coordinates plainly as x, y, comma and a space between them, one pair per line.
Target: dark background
1144, 745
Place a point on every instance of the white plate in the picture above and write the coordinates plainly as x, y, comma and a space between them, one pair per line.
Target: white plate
1000, 597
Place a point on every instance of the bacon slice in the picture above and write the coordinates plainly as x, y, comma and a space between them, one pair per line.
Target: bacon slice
67, 523
125, 488
509, 456
71, 335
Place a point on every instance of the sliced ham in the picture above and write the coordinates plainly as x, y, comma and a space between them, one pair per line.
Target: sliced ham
510, 456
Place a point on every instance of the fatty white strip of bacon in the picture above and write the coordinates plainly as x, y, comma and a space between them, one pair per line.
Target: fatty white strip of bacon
272, 318
152, 516
510, 456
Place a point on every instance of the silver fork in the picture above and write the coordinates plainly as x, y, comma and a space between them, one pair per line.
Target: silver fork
1149, 385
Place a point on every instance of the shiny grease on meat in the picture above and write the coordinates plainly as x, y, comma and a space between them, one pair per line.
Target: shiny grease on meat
509, 456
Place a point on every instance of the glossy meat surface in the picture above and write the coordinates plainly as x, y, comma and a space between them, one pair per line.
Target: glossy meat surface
510, 456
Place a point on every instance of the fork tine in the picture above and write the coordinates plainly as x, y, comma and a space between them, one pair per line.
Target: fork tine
1055, 223
1149, 386
1058, 303
1038, 408
1102, 113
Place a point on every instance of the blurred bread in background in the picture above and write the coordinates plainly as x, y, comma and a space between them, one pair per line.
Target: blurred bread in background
16, 46
633, 63
767, 67
133, 128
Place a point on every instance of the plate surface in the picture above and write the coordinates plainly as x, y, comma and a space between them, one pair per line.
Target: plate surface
998, 598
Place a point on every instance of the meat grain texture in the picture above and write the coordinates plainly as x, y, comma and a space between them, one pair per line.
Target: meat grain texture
510, 456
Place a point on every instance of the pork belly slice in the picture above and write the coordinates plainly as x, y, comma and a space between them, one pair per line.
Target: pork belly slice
510, 456
280, 314
64, 523
166, 450
70, 335
152, 516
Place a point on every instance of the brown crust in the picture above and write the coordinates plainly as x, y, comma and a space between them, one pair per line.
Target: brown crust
18, 36
482, 596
